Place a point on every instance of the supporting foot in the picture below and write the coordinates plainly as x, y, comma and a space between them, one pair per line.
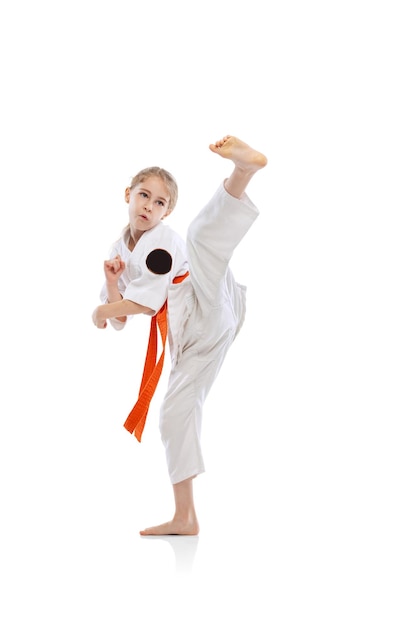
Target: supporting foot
175, 527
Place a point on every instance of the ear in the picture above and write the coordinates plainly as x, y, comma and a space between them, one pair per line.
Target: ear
166, 214
127, 194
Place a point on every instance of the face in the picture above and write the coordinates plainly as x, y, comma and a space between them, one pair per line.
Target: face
148, 205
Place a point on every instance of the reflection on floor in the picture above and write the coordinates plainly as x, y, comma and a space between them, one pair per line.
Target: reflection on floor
184, 548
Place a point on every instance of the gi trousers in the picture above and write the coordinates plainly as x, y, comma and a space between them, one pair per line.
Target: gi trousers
217, 314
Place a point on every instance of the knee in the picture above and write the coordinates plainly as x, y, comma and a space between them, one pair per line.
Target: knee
197, 231
192, 235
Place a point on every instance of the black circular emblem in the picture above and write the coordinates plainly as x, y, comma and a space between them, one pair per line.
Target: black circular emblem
159, 261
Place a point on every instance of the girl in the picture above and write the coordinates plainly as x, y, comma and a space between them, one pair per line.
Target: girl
192, 297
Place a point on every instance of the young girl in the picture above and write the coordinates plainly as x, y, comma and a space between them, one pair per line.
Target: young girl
190, 293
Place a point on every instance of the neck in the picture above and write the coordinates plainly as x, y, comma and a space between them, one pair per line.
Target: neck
133, 239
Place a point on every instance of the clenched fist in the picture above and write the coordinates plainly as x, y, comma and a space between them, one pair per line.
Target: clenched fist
113, 268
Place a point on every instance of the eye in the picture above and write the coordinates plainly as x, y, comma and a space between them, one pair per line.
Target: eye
143, 194
160, 202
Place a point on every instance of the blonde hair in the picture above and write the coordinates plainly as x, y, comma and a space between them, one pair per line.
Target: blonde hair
167, 178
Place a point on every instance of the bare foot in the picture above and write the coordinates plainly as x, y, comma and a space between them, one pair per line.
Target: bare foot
175, 527
239, 153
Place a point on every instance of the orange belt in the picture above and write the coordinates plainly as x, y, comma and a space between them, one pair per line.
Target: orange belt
135, 421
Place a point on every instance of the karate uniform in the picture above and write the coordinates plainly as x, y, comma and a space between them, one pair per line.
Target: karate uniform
205, 312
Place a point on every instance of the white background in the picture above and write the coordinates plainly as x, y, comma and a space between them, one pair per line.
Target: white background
308, 508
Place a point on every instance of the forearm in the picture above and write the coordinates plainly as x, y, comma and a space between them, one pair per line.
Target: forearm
120, 309
114, 295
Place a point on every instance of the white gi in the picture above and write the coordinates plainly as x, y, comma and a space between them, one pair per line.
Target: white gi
205, 312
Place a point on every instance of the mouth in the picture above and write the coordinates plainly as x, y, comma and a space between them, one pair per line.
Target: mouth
143, 217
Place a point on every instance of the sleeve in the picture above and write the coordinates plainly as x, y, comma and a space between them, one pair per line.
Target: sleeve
153, 266
152, 277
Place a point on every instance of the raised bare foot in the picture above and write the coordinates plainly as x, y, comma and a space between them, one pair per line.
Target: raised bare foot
239, 153
175, 527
